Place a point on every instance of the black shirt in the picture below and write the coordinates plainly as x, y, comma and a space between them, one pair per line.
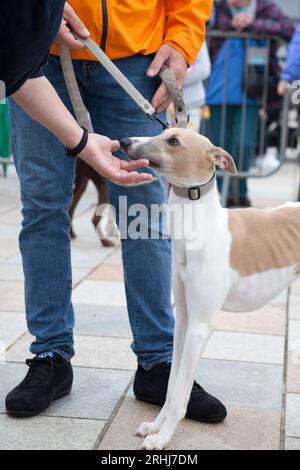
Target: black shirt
27, 30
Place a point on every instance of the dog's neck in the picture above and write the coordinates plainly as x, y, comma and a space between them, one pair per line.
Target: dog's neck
196, 192
192, 217
205, 194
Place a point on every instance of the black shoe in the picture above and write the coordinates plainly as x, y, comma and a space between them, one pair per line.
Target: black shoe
47, 380
151, 386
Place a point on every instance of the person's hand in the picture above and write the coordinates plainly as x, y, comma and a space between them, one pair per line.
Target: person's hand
282, 87
174, 60
64, 35
242, 21
98, 154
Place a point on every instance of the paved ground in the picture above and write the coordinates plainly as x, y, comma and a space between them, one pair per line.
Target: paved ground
250, 363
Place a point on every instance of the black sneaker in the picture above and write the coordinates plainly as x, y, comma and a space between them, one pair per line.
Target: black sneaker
151, 386
48, 379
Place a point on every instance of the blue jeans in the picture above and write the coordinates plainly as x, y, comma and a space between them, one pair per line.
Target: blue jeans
46, 179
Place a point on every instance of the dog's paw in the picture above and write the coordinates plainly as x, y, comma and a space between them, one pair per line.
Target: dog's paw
147, 429
155, 442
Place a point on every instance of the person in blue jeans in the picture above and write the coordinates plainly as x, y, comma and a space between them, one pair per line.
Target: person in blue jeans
46, 178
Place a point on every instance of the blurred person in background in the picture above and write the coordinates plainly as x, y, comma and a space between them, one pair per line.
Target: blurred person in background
252, 16
289, 75
291, 71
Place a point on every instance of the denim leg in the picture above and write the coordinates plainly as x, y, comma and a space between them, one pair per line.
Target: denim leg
46, 180
147, 262
250, 142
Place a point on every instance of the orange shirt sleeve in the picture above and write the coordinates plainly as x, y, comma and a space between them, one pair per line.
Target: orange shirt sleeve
185, 26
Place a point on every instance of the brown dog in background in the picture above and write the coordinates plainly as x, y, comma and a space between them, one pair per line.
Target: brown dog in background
105, 223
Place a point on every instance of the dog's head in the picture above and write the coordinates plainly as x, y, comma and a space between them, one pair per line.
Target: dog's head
185, 157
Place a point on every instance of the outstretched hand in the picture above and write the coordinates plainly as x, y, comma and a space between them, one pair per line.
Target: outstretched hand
98, 154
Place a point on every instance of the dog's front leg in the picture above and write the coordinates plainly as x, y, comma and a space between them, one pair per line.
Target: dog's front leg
193, 345
202, 306
148, 428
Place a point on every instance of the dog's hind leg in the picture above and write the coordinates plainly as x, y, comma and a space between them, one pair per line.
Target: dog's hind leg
103, 197
148, 428
80, 185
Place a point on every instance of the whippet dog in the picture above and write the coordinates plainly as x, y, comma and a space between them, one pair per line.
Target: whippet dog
242, 260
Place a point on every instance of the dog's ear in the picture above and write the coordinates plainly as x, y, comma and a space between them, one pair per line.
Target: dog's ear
222, 159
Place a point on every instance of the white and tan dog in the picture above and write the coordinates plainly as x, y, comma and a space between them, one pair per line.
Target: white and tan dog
244, 259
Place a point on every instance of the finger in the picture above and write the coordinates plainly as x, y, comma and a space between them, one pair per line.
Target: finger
158, 61
115, 145
67, 38
75, 23
164, 105
133, 164
160, 96
133, 178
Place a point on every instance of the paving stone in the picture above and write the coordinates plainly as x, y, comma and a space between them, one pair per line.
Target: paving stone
19, 351
107, 272
245, 347
242, 384
295, 287
9, 231
100, 293
268, 320
11, 272
102, 320
108, 353
294, 307
244, 429
42, 433
13, 217
281, 300
115, 258
8, 247
294, 335
95, 392
292, 443
78, 274
12, 326
7, 205
15, 260
293, 372
89, 256
91, 351
12, 296
292, 426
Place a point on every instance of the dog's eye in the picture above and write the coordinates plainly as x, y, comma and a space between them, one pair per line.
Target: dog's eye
173, 142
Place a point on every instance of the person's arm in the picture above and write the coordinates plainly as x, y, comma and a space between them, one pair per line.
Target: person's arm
292, 69
184, 35
40, 100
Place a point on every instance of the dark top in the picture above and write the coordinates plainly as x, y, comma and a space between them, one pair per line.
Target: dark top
27, 30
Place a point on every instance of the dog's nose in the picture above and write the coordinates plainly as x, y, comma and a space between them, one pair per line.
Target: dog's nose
125, 143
